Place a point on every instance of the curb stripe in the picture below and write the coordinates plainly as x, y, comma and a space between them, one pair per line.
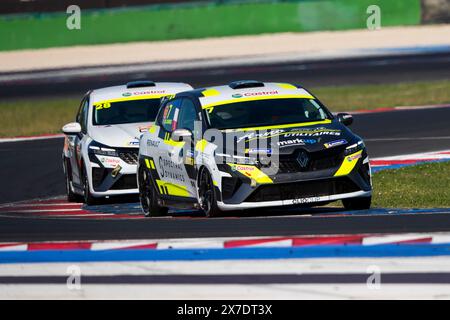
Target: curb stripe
31, 138
217, 243
350, 251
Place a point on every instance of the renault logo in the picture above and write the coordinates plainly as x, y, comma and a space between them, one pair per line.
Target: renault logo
303, 159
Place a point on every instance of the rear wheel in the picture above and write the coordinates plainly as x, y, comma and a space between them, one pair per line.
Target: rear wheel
362, 203
208, 201
147, 195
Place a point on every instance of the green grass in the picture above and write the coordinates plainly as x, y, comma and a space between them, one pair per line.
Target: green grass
39, 116
154, 23
421, 186
349, 98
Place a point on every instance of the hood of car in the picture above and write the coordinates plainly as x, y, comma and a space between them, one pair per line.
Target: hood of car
287, 139
119, 135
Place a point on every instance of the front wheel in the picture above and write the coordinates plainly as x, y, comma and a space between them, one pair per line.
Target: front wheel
71, 196
147, 195
207, 195
88, 198
362, 203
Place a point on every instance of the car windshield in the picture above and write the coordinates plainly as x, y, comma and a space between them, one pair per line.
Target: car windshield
129, 111
268, 112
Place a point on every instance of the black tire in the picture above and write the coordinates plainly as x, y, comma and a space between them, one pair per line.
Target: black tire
71, 196
207, 196
88, 198
147, 195
362, 203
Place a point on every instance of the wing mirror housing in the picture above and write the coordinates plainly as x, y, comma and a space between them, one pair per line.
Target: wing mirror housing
73, 128
345, 118
181, 135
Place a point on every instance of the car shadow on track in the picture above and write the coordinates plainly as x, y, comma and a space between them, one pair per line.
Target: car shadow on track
129, 206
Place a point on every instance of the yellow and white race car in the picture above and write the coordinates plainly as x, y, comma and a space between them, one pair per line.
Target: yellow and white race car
248, 145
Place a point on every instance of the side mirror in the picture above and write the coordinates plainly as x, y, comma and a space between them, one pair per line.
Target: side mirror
181, 134
72, 128
345, 118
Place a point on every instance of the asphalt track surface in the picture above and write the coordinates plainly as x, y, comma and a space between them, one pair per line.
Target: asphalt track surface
243, 279
373, 70
32, 169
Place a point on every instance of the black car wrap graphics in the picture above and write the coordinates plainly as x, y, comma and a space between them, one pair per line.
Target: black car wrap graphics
285, 141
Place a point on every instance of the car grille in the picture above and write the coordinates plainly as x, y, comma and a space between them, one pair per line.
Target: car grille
129, 156
304, 189
317, 161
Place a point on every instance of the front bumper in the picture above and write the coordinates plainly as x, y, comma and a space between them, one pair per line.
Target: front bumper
238, 191
110, 176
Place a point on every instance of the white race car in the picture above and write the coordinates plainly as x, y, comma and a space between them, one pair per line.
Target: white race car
101, 147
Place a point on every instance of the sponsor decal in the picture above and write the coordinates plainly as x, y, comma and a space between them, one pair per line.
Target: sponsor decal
148, 92
237, 167
254, 94
261, 93
134, 142
354, 157
144, 129
335, 143
312, 132
109, 162
153, 143
305, 200
171, 170
296, 142
140, 93
291, 133
260, 151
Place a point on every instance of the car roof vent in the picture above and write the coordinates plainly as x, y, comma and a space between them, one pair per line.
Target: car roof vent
139, 84
243, 84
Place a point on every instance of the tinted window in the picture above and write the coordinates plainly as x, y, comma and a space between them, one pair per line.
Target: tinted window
265, 113
188, 115
129, 111
170, 115
83, 114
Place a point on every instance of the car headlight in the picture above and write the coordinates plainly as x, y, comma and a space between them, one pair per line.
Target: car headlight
227, 158
355, 147
102, 150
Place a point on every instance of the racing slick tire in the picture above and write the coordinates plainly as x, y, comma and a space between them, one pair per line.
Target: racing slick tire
71, 196
362, 203
88, 198
207, 196
147, 195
